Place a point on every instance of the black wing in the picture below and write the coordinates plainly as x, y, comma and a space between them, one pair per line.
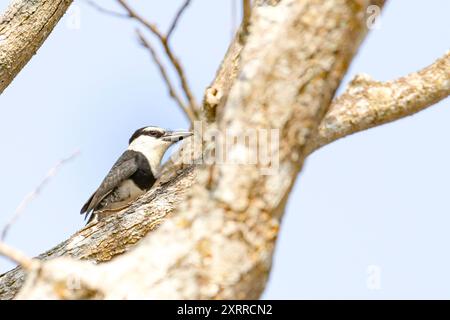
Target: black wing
124, 167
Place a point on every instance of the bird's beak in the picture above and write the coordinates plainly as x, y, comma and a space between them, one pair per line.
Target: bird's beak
174, 136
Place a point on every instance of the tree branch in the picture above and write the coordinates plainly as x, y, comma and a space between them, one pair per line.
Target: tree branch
174, 23
84, 244
219, 242
367, 103
163, 39
113, 236
119, 233
23, 28
246, 11
172, 91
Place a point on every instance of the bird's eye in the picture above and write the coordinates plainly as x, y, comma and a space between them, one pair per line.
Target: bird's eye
156, 134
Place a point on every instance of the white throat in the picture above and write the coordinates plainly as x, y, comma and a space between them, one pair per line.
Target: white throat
152, 148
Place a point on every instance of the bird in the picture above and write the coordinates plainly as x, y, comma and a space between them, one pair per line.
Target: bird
134, 172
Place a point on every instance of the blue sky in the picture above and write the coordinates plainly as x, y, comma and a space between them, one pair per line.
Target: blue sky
371, 206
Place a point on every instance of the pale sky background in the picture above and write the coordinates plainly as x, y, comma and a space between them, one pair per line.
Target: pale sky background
375, 205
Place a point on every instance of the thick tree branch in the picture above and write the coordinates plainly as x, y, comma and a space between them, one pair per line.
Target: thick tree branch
23, 28
115, 235
84, 245
119, 233
220, 242
135, 15
367, 103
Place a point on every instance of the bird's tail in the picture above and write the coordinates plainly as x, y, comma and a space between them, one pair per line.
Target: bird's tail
91, 216
85, 208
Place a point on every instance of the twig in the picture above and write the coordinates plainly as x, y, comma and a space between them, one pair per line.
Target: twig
17, 256
177, 17
134, 15
182, 77
33, 194
165, 44
99, 8
233, 18
165, 76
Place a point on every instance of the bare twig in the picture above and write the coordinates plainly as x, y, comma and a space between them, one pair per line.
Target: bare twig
169, 52
165, 76
177, 17
17, 256
33, 194
101, 9
134, 15
183, 81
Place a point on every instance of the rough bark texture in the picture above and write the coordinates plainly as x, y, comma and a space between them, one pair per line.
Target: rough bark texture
368, 103
101, 241
23, 28
220, 241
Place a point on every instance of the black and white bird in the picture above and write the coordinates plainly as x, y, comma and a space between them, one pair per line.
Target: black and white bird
134, 173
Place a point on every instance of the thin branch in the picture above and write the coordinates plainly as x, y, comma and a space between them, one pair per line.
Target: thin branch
101, 9
367, 103
162, 70
17, 256
183, 80
177, 17
35, 193
170, 55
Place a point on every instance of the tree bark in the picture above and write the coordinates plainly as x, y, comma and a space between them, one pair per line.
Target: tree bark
368, 103
23, 28
223, 221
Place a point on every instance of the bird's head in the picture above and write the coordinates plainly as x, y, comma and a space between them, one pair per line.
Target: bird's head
158, 136
153, 142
